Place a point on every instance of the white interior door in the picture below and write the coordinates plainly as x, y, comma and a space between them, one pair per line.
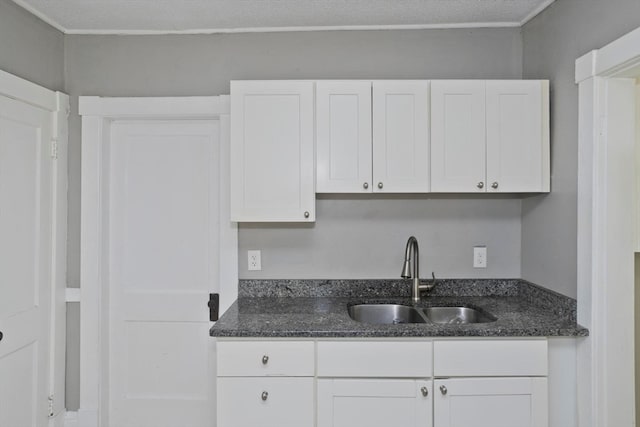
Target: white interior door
25, 263
163, 262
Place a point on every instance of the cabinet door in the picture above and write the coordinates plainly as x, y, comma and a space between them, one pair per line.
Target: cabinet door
374, 403
517, 136
265, 402
401, 136
458, 136
272, 154
491, 402
343, 137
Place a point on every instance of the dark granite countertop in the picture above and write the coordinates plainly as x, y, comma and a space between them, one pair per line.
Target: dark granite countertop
318, 308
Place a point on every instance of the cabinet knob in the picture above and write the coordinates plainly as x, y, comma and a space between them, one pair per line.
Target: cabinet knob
265, 395
443, 389
480, 184
306, 214
494, 185
365, 185
424, 391
380, 185
265, 359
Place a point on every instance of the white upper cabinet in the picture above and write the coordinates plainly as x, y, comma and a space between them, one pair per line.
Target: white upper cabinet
343, 136
272, 151
490, 136
458, 136
517, 136
401, 136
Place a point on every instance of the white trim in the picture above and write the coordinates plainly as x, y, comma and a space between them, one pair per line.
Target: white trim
73, 295
535, 12
23, 90
97, 113
605, 263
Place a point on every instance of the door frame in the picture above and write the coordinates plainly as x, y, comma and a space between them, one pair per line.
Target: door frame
57, 103
97, 114
605, 360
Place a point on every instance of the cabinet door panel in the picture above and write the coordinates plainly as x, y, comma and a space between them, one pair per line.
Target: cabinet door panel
374, 403
458, 136
491, 402
288, 402
343, 137
517, 136
272, 154
401, 137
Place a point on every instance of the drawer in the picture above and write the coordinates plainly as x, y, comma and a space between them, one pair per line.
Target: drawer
489, 357
378, 359
265, 358
265, 402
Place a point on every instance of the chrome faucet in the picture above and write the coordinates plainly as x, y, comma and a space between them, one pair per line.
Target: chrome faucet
416, 286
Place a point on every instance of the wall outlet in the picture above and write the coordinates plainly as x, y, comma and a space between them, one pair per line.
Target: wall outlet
253, 260
480, 257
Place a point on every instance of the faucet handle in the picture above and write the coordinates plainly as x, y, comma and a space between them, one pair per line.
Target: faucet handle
429, 284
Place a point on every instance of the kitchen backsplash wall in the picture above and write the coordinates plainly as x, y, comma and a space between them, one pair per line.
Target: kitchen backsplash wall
359, 237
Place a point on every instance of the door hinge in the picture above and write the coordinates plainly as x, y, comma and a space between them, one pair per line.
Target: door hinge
51, 413
54, 148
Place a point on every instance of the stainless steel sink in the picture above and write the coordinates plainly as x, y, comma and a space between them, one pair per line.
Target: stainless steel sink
457, 315
391, 314
388, 314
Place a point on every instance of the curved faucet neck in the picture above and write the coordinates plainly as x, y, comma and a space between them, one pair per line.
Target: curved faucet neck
412, 249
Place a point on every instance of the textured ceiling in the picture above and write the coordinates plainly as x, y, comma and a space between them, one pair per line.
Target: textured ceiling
132, 16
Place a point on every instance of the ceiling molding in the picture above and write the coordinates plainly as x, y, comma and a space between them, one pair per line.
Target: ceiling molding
23, 4
535, 12
298, 29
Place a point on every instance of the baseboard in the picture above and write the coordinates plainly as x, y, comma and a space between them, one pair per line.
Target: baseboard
71, 419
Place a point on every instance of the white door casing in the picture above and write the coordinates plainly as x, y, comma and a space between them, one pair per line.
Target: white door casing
157, 240
605, 365
33, 143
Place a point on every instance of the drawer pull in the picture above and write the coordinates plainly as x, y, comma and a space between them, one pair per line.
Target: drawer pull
425, 391
265, 359
443, 390
265, 395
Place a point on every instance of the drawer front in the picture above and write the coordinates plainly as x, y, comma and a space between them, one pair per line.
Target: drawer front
265, 358
490, 358
378, 359
265, 402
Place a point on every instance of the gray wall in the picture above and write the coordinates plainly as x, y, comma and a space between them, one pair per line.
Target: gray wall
551, 43
353, 237
30, 48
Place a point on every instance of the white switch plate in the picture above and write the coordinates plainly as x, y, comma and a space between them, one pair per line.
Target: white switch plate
253, 260
480, 257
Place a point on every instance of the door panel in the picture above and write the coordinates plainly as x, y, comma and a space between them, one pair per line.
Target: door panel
25, 262
401, 136
163, 263
491, 402
343, 130
458, 136
515, 148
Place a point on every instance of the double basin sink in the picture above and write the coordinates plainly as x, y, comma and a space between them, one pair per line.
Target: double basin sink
391, 314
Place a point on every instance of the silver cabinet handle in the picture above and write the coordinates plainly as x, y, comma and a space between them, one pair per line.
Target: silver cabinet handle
365, 185
425, 391
494, 185
380, 185
265, 395
443, 389
265, 359
306, 214
480, 184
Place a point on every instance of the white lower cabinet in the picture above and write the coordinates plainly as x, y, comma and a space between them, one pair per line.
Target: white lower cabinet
454, 382
491, 402
374, 403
